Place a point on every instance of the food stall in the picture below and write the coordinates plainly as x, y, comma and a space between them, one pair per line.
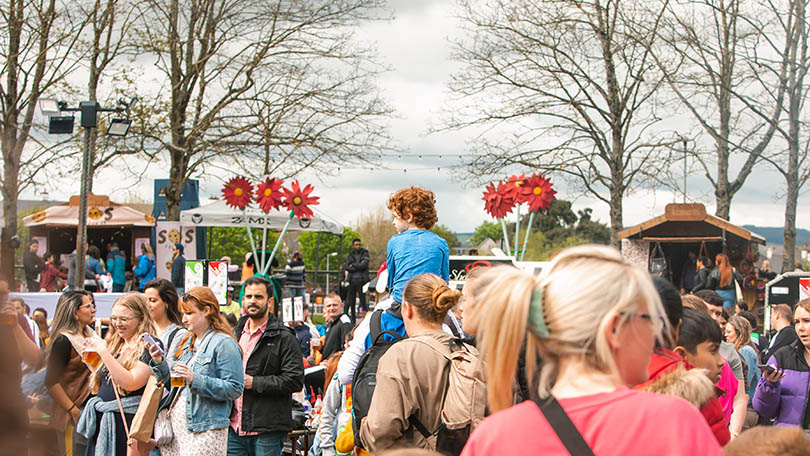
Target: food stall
684, 228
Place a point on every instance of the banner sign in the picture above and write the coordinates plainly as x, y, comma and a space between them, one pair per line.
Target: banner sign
166, 235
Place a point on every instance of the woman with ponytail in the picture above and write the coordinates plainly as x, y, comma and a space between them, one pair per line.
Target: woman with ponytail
593, 318
412, 375
209, 362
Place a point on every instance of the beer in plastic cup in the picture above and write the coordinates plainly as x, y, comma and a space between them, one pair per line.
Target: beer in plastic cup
177, 380
91, 358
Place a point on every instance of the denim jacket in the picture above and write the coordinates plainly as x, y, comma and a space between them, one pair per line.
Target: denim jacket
218, 380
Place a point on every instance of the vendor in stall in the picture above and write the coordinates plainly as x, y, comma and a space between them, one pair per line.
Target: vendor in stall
688, 273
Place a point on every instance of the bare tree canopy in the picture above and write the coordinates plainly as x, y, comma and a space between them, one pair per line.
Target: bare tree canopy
575, 86
783, 61
703, 49
274, 87
36, 39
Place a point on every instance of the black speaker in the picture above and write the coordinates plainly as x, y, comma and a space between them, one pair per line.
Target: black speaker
89, 110
60, 125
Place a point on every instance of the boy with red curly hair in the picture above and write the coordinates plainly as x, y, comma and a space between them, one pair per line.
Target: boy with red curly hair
411, 252
415, 250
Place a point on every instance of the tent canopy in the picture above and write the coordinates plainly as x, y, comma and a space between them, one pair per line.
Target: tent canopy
684, 223
217, 213
101, 213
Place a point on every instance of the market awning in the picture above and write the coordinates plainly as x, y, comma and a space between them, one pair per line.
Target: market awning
687, 223
100, 213
220, 214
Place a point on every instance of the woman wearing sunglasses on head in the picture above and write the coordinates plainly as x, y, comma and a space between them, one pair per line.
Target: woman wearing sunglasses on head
209, 366
125, 371
593, 318
67, 376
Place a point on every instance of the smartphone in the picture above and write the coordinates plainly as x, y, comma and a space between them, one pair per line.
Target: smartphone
768, 369
151, 342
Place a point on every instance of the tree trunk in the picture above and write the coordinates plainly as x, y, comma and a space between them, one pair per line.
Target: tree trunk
616, 223
722, 192
10, 191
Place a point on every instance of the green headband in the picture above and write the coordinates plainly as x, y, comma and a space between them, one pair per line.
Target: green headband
537, 322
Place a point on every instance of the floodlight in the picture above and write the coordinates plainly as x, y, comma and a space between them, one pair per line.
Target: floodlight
49, 106
60, 125
119, 127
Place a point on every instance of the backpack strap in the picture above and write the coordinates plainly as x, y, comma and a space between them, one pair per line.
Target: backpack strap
436, 346
563, 427
375, 326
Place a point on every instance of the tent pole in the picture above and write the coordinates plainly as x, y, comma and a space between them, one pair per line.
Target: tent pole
505, 236
526, 240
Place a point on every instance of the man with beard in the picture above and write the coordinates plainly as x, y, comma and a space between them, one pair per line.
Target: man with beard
274, 369
356, 265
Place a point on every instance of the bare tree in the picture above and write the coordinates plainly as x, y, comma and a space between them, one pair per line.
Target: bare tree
36, 38
701, 49
783, 56
250, 79
573, 84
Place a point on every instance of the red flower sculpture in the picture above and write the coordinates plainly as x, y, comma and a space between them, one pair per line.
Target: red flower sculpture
298, 200
238, 192
537, 191
269, 193
497, 201
513, 187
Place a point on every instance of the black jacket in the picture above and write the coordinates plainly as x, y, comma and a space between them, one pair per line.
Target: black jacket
179, 272
357, 265
336, 331
33, 265
784, 338
277, 369
702, 280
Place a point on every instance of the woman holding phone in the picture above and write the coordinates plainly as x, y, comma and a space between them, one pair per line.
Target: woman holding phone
209, 364
161, 297
125, 370
782, 391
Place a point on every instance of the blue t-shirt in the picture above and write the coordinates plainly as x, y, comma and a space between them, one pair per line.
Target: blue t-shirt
415, 252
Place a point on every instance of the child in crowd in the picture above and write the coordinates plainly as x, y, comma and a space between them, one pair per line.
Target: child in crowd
412, 252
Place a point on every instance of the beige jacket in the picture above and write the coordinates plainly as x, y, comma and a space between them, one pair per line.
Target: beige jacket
411, 379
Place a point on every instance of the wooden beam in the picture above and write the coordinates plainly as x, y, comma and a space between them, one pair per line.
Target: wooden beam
684, 239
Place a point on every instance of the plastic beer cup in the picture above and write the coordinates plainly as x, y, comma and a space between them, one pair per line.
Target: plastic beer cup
177, 381
91, 358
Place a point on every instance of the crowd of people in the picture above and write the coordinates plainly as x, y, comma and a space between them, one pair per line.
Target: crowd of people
591, 356
45, 274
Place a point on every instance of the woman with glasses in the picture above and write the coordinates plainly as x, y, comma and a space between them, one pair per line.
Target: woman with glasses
125, 369
161, 297
209, 361
67, 377
595, 338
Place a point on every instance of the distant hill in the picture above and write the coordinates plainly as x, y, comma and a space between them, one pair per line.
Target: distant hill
776, 235
463, 238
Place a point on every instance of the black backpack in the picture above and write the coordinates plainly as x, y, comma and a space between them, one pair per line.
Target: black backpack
365, 375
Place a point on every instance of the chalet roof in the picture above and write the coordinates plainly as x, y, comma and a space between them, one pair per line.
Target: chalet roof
687, 223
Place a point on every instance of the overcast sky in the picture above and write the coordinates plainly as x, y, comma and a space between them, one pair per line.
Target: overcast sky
415, 45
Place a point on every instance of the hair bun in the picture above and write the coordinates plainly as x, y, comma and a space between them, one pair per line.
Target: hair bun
445, 298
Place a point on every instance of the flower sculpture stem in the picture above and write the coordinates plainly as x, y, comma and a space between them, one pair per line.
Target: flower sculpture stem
278, 242
517, 230
526, 240
505, 235
264, 242
250, 235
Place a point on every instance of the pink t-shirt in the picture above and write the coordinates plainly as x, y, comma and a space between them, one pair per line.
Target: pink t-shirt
622, 422
248, 342
728, 383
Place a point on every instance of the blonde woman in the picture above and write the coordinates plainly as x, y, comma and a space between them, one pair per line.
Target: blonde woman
594, 319
125, 367
210, 362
